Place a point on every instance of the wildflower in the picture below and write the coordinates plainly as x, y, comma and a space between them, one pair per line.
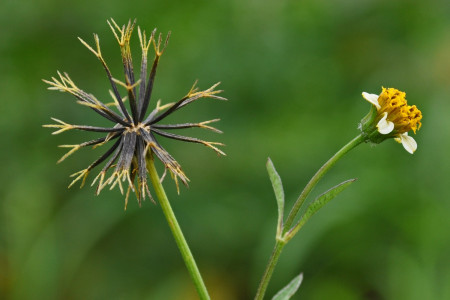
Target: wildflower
391, 117
133, 133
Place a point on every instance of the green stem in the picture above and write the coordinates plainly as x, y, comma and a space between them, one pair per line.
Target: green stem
176, 231
316, 178
287, 230
269, 269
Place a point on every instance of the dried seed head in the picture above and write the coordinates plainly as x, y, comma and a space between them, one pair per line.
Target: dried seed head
133, 132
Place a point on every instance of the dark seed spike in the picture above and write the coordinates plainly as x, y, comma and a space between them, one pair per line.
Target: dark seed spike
137, 191
151, 116
122, 108
209, 93
190, 97
67, 85
153, 120
104, 156
63, 126
133, 106
166, 42
177, 136
183, 102
112, 136
108, 165
113, 158
144, 45
176, 126
98, 54
141, 164
98, 106
164, 156
126, 52
148, 90
130, 149
128, 67
108, 114
120, 160
100, 112
189, 139
75, 148
131, 71
172, 164
105, 112
188, 125
98, 129
92, 142
142, 85
151, 78
109, 117
126, 156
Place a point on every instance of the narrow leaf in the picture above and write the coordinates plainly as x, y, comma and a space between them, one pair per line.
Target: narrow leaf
279, 193
289, 290
324, 198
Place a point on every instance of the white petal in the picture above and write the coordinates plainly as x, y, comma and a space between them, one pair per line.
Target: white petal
384, 126
408, 142
372, 98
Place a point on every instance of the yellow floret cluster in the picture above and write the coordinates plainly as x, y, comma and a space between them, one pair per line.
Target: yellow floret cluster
405, 117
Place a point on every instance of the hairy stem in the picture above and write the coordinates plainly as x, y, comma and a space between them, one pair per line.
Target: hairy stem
176, 231
269, 270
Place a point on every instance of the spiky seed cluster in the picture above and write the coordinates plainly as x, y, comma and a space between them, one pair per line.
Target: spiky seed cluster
133, 135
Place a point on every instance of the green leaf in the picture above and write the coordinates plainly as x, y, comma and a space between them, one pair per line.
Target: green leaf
289, 290
279, 193
324, 198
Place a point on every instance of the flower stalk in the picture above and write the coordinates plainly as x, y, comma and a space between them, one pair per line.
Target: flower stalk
390, 116
176, 230
312, 183
289, 232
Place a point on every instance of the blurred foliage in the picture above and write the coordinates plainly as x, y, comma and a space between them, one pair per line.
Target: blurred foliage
294, 72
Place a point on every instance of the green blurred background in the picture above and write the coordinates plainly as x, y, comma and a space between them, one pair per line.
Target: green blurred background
294, 72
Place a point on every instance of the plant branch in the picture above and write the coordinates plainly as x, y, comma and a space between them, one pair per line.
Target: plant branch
288, 232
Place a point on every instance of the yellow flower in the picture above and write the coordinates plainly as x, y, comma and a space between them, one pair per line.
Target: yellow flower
393, 118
